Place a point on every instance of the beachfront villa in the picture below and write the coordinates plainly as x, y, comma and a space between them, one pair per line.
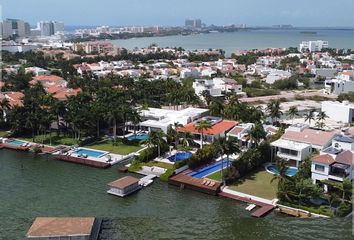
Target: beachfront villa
124, 186
162, 119
335, 162
299, 141
219, 128
48, 228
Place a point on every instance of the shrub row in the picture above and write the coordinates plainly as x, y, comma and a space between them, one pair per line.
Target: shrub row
203, 156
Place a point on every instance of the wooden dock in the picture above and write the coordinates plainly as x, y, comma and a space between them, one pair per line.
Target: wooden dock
83, 161
263, 209
182, 180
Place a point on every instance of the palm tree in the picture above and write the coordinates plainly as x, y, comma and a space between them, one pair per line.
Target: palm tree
157, 139
293, 112
4, 105
321, 117
309, 116
345, 187
187, 137
257, 133
226, 146
283, 180
273, 109
201, 127
135, 119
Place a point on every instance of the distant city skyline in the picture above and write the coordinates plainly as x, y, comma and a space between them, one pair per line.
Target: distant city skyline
157, 12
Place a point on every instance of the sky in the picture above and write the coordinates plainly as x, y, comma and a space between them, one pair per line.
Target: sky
300, 13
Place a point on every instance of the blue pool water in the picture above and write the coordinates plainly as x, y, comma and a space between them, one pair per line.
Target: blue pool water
138, 137
16, 142
89, 153
205, 171
180, 156
291, 171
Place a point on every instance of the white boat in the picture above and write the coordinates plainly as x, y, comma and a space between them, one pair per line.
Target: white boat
250, 207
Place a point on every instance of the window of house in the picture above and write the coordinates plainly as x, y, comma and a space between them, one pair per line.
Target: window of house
319, 168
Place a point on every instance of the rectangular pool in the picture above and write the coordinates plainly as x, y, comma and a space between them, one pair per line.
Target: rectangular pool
205, 171
90, 153
16, 142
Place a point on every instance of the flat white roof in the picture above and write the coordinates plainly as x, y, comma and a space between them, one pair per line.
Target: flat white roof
282, 143
338, 104
158, 117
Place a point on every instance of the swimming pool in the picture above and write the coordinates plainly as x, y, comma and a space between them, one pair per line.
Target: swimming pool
138, 137
273, 169
90, 153
205, 171
180, 156
16, 142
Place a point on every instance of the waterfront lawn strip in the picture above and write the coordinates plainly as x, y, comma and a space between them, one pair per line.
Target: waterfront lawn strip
257, 184
117, 148
3, 133
53, 140
215, 176
138, 166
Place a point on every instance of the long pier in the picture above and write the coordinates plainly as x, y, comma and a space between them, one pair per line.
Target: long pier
263, 210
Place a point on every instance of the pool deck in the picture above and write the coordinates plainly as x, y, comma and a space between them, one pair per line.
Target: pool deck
263, 206
14, 147
182, 180
82, 161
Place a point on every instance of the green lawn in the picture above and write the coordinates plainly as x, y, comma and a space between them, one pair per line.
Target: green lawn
257, 184
215, 176
118, 148
158, 164
54, 140
3, 133
138, 166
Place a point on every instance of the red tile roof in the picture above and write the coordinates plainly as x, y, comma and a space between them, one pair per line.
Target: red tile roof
345, 157
217, 129
63, 95
48, 78
310, 136
326, 159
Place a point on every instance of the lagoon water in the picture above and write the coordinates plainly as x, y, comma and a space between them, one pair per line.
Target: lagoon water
34, 186
253, 39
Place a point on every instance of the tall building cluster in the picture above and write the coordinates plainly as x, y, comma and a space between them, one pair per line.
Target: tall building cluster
193, 23
19, 28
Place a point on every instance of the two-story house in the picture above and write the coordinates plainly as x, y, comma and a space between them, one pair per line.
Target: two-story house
335, 162
299, 141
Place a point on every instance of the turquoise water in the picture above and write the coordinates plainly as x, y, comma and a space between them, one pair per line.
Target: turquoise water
259, 39
34, 186
205, 171
16, 142
90, 153
291, 171
138, 137
180, 156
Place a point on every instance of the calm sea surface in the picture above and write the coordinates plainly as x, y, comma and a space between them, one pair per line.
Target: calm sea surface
34, 186
254, 39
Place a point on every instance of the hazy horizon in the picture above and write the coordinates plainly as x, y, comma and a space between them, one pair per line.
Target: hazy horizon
174, 12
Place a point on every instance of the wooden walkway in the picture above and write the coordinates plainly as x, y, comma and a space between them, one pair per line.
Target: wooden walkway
262, 211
